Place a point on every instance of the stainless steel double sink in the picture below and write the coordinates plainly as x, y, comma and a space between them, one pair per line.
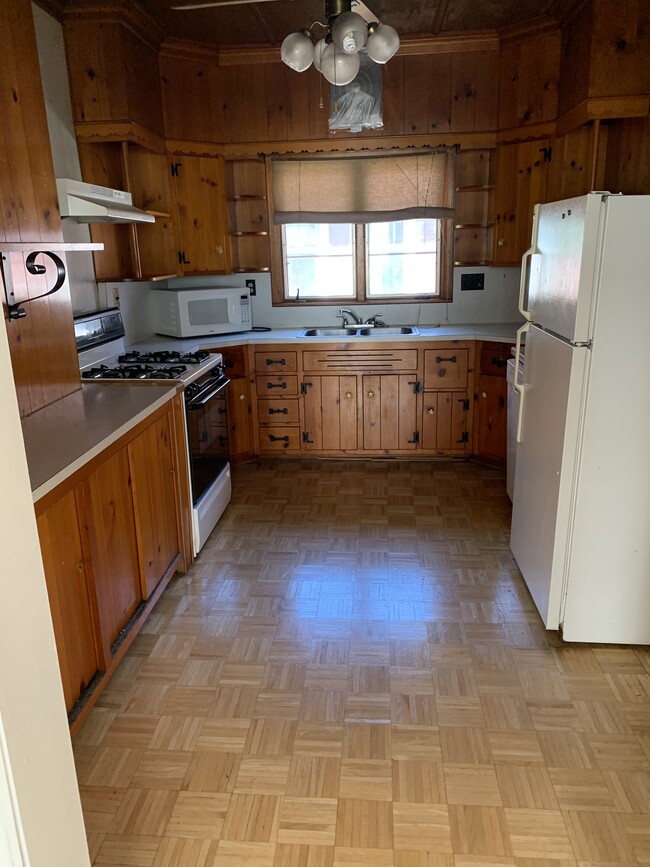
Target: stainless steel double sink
360, 331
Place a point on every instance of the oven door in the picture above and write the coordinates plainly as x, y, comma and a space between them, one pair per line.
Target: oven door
207, 433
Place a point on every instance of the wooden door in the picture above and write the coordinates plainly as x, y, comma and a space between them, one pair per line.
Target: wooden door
109, 505
151, 463
444, 421
389, 412
202, 215
71, 600
491, 397
330, 413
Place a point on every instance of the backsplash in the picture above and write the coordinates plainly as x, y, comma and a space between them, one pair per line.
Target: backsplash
497, 302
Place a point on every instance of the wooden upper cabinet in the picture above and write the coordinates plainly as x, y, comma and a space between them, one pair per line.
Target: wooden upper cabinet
137, 251
112, 54
202, 218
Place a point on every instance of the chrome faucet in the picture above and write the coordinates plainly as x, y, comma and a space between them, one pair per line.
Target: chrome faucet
376, 321
357, 319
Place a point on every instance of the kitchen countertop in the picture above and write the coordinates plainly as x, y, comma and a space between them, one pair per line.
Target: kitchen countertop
499, 332
62, 437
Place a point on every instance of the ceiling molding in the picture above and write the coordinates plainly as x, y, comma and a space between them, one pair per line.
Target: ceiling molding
185, 50
124, 12
528, 30
119, 131
52, 7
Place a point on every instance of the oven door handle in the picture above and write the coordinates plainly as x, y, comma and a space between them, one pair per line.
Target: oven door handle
202, 398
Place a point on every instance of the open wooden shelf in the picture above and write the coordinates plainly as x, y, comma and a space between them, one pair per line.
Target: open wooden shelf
247, 198
51, 246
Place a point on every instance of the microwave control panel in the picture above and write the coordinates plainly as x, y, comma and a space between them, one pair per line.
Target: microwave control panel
245, 303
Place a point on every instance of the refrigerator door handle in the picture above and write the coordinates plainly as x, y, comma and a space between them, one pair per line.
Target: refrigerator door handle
530, 269
519, 387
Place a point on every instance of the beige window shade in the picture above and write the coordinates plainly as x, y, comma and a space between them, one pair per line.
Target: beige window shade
363, 189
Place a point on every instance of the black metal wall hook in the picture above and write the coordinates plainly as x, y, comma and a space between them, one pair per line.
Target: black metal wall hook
14, 308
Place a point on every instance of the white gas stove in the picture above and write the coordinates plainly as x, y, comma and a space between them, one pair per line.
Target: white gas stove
103, 358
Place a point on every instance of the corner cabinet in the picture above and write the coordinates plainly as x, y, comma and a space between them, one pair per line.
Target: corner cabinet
248, 217
199, 186
111, 538
490, 398
238, 400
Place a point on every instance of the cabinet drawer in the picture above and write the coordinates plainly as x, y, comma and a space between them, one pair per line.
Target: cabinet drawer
277, 386
278, 411
445, 368
341, 360
234, 362
280, 439
267, 362
494, 358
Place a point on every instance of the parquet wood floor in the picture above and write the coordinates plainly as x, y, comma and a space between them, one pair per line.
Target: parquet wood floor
353, 675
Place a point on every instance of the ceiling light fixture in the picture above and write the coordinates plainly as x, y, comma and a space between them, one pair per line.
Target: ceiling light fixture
336, 55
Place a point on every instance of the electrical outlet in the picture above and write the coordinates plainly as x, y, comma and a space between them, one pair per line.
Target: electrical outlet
250, 285
115, 294
472, 282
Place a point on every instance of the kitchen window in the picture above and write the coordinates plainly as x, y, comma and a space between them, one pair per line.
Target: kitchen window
361, 227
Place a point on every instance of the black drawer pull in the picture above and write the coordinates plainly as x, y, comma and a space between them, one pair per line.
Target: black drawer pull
276, 385
499, 362
278, 439
229, 363
283, 411
440, 359
270, 361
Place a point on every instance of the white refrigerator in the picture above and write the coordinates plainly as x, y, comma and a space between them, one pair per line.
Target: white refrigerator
581, 506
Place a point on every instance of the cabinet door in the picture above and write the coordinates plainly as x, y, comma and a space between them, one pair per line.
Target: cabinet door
444, 421
491, 409
202, 216
330, 413
109, 505
389, 412
71, 600
521, 184
151, 463
240, 436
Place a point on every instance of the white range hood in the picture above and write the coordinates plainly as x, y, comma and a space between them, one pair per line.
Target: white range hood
90, 203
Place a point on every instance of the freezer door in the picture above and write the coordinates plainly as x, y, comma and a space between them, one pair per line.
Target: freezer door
554, 376
560, 297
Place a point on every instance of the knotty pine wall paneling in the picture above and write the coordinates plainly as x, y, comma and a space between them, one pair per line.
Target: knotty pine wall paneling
112, 54
627, 165
42, 345
529, 68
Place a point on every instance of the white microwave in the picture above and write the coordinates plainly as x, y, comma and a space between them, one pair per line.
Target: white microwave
201, 312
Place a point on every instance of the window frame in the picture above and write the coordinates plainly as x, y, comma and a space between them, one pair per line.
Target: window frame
445, 269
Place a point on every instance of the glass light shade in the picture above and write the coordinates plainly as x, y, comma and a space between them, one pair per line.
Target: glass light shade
320, 46
383, 43
337, 66
349, 32
297, 51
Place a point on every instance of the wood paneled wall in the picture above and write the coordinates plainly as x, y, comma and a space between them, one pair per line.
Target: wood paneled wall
203, 101
114, 51
42, 345
627, 167
529, 70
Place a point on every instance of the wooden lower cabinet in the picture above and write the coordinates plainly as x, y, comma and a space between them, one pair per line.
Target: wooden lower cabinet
111, 536
152, 467
390, 412
113, 544
73, 612
330, 420
238, 402
444, 422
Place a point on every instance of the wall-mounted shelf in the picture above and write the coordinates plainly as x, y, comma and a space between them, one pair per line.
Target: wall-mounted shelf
474, 207
52, 246
473, 225
474, 188
248, 216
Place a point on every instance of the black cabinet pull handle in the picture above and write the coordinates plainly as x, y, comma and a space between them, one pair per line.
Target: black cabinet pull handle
278, 439
499, 362
440, 359
229, 363
283, 411
281, 361
276, 385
